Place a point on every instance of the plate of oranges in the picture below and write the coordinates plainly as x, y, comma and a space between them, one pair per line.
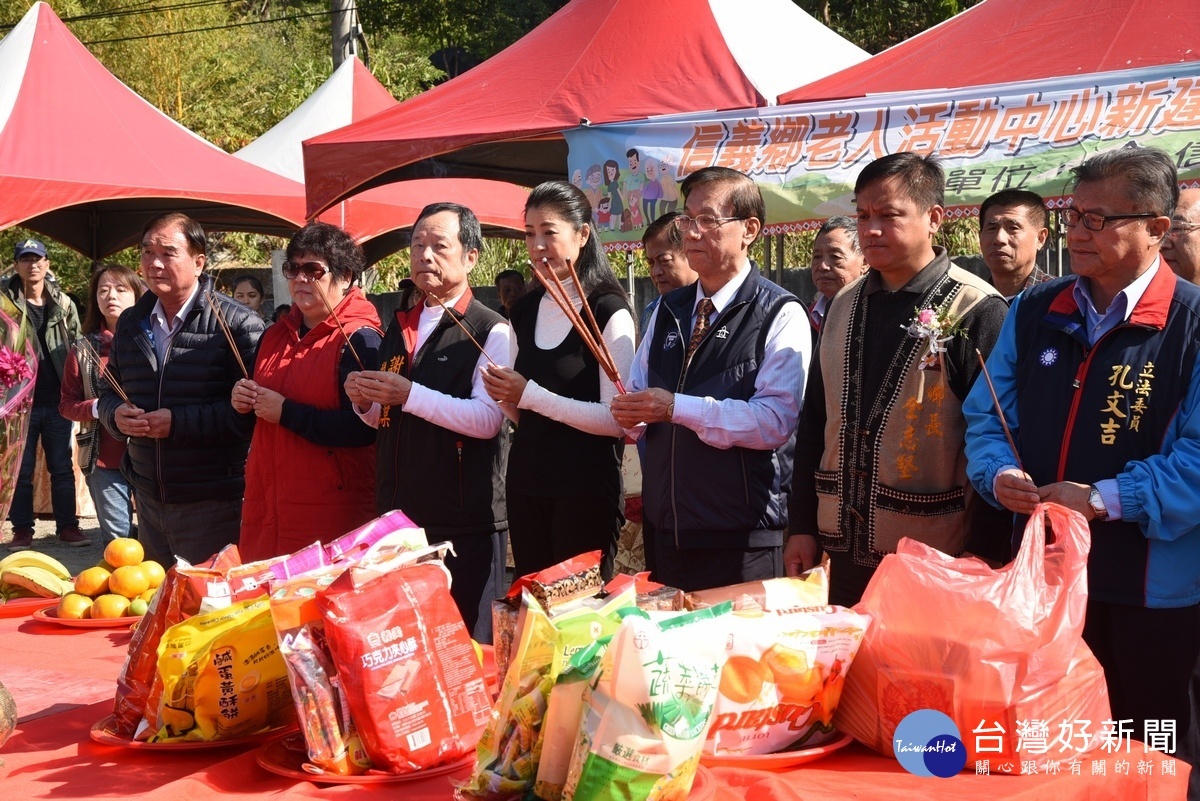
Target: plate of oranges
113, 594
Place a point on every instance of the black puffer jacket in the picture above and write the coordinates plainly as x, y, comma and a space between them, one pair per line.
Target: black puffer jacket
204, 457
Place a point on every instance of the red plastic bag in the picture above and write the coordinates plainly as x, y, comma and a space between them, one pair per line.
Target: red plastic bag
987, 647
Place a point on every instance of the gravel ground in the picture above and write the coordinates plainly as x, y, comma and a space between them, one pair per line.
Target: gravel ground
75, 558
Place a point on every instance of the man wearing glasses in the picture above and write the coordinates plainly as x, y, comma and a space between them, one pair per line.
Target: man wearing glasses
1099, 380
718, 381
879, 454
1181, 248
187, 445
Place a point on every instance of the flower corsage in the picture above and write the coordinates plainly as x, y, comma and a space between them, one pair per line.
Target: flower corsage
935, 327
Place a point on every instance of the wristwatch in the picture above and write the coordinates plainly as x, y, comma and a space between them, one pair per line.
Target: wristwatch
671, 409
1097, 503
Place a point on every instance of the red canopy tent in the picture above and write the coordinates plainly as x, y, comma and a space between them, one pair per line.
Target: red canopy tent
1005, 41
86, 161
603, 60
381, 219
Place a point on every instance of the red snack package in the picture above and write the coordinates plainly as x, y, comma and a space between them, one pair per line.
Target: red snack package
415, 689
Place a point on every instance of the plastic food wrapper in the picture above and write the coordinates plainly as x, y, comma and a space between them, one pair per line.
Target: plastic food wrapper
644, 724
986, 647
222, 675
558, 585
782, 678
651, 596
330, 736
349, 547
506, 761
413, 683
180, 596
807, 590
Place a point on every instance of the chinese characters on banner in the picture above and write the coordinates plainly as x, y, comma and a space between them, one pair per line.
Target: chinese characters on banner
805, 157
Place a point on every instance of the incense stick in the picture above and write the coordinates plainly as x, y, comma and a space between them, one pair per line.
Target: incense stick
466, 331
597, 346
91, 353
999, 411
224, 324
615, 376
333, 314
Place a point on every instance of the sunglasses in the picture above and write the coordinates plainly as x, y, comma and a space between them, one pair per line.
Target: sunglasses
312, 270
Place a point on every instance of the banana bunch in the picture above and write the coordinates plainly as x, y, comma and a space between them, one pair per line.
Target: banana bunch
30, 574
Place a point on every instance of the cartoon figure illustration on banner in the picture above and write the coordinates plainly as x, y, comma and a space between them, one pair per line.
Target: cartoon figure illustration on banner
670, 188
652, 191
612, 186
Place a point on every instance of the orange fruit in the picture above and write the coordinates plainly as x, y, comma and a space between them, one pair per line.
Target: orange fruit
92, 582
74, 606
154, 572
129, 580
148, 594
109, 606
124, 551
105, 565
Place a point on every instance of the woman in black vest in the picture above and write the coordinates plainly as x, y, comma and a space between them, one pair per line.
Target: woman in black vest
564, 470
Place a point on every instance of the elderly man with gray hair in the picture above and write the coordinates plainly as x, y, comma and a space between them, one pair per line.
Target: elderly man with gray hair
1099, 376
837, 261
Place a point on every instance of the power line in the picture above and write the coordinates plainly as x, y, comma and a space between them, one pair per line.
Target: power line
226, 27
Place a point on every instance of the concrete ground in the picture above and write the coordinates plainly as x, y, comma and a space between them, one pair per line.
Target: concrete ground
74, 558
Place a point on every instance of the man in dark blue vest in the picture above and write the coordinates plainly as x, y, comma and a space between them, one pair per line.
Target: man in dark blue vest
442, 447
1098, 377
718, 381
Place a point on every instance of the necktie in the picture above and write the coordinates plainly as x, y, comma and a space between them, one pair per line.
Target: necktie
703, 310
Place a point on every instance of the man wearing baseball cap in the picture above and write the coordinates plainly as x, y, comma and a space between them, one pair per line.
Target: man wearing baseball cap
54, 323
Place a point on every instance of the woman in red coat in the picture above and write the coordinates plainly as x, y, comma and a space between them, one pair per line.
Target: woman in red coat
311, 472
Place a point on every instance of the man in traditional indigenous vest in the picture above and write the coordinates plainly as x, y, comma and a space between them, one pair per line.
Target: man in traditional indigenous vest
440, 454
880, 448
718, 379
1099, 380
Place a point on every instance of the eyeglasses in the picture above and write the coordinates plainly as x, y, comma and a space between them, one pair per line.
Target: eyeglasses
703, 222
1179, 228
1095, 222
311, 270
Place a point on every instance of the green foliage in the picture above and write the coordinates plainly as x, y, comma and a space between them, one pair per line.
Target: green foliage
879, 24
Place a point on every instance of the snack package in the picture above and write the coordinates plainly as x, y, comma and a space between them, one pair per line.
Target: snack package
561, 584
782, 678
330, 736
509, 752
413, 683
651, 596
349, 547
644, 724
807, 590
986, 647
222, 676
180, 596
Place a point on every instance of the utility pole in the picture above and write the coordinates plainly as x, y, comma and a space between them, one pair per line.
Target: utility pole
341, 26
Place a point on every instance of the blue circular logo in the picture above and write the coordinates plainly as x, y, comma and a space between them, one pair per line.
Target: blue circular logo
927, 743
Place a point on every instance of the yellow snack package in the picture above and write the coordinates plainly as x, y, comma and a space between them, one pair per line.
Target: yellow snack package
222, 676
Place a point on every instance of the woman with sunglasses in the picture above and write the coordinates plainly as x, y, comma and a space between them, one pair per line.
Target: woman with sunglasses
311, 472
564, 470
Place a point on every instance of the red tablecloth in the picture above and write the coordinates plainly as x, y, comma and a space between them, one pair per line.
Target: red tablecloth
63, 681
